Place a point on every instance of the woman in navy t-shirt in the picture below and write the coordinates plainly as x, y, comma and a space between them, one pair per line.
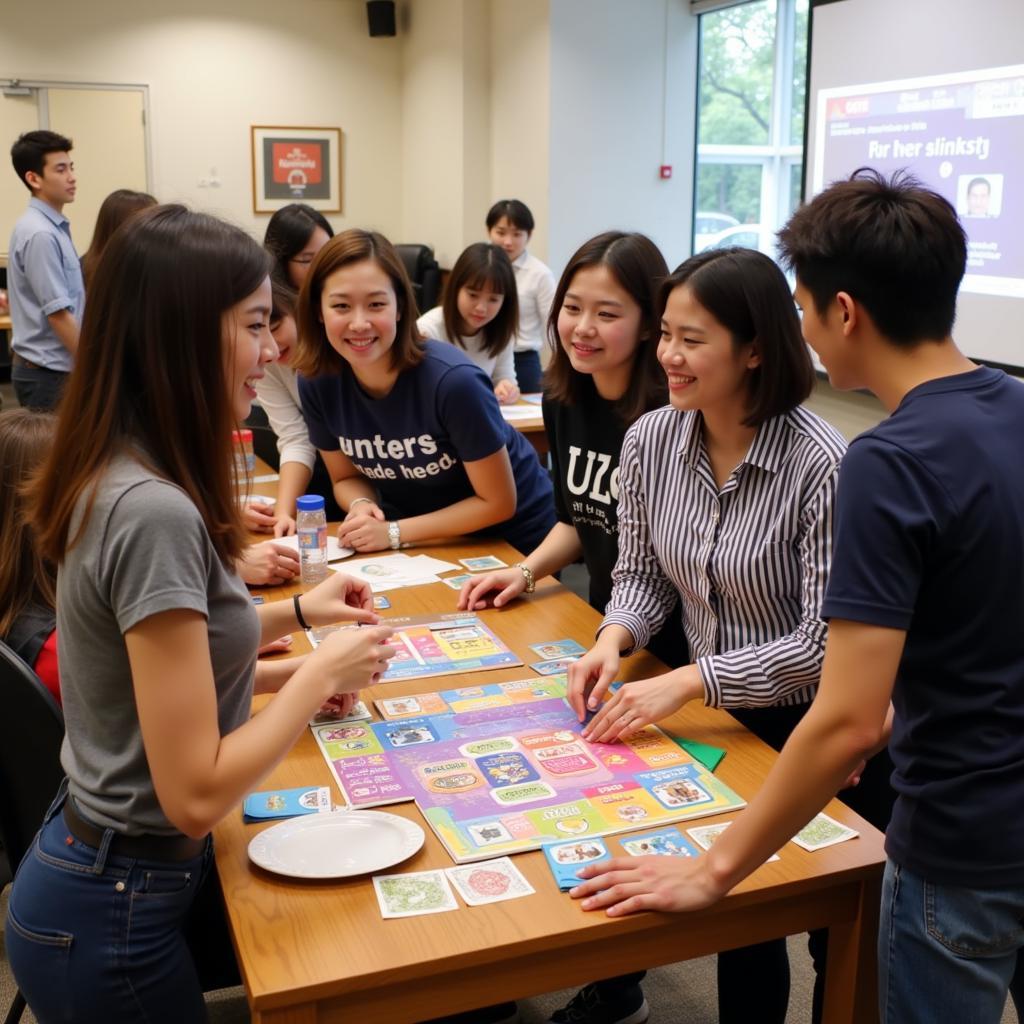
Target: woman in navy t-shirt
409, 429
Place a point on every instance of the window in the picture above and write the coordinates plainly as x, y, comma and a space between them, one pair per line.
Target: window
750, 122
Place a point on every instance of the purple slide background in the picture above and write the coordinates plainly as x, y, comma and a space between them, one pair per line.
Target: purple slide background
1006, 154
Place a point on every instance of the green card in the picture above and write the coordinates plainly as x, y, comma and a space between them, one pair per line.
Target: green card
707, 755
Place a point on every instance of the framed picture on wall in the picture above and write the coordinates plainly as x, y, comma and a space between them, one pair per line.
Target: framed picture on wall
296, 165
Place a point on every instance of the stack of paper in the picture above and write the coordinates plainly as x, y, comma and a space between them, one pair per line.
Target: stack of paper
388, 572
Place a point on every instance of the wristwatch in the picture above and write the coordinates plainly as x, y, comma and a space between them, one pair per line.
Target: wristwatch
531, 581
394, 536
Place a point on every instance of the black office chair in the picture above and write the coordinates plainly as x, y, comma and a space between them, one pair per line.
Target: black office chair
31, 733
424, 272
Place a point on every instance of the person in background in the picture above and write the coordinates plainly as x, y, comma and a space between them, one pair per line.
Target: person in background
479, 314
28, 619
44, 274
510, 224
135, 503
603, 375
294, 235
409, 428
114, 211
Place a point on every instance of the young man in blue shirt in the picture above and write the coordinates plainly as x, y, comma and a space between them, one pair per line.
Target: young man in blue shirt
926, 610
44, 275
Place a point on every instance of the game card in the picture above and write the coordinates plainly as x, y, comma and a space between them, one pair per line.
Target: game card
415, 893
706, 835
455, 582
359, 713
483, 562
490, 881
380, 602
565, 859
666, 842
823, 831
552, 649
553, 667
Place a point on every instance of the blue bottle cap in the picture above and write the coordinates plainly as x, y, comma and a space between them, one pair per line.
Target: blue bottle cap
310, 503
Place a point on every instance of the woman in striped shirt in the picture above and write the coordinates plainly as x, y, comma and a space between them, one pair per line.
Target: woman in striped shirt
725, 502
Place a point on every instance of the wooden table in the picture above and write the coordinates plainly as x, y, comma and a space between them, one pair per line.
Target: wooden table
313, 953
531, 427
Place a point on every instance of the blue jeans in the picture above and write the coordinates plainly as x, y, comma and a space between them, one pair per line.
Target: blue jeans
947, 953
94, 938
38, 388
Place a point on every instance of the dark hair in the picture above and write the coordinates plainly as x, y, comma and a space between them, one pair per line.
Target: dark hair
483, 267
289, 230
114, 211
314, 356
283, 300
979, 181
894, 246
26, 578
150, 372
638, 266
29, 152
517, 213
745, 291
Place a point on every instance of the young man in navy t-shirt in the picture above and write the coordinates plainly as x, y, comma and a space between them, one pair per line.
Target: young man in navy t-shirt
926, 610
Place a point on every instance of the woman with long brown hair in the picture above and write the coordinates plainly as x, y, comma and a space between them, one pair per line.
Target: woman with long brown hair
121, 204
137, 507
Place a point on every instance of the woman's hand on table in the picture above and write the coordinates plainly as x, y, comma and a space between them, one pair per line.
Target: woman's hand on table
509, 583
506, 391
339, 598
636, 705
259, 517
590, 676
364, 530
278, 646
266, 564
284, 526
350, 659
625, 885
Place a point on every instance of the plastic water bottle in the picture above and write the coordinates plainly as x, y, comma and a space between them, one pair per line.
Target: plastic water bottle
311, 527
245, 456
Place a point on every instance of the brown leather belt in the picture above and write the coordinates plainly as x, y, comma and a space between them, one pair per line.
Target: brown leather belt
143, 847
18, 360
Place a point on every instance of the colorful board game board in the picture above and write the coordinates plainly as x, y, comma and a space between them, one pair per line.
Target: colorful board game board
438, 645
501, 768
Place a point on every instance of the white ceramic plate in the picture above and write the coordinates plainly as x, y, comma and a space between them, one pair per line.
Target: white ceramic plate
336, 844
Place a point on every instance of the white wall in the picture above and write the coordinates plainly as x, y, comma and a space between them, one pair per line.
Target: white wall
215, 67
609, 74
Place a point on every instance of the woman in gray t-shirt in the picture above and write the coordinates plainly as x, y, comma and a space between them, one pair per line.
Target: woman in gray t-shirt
157, 636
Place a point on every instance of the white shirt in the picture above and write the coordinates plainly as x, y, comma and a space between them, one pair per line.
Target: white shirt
278, 393
499, 367
535, 285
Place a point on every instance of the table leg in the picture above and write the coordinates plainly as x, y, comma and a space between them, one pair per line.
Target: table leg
851, 973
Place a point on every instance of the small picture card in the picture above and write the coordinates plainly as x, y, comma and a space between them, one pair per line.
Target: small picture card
490, 881
455, 582
822, 831
359, 713
665, 842
565, 859
286, 803
706, 835
483, 562
552, 649
380, 602
415, 893
553, 667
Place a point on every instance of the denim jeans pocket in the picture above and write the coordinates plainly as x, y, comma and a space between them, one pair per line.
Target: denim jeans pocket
974, 922
53, 940
153, 882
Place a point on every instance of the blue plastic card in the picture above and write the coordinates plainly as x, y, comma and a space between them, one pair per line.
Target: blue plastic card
665, 842
286, 803
565, 859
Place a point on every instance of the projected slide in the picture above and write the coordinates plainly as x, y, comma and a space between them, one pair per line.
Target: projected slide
962, 134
